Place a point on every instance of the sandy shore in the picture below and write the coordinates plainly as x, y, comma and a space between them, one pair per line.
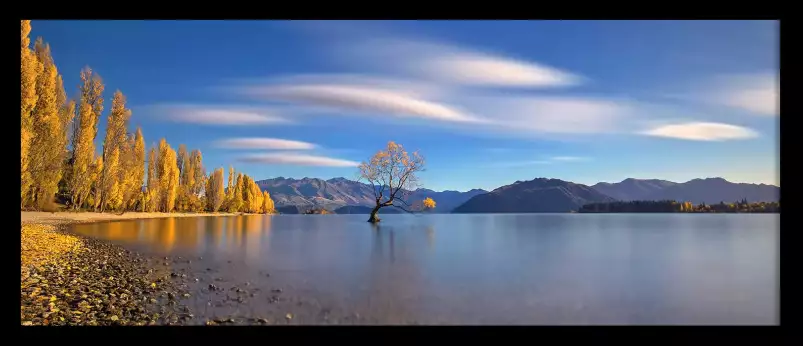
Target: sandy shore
64, 217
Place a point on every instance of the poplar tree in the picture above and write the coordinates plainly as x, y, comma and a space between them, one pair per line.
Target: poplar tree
214, 190
267, 203
115, 139
45, 154
152, 195
96, 186
83, 152
138, 165
111, 192
236, 201
167, 175
30, 69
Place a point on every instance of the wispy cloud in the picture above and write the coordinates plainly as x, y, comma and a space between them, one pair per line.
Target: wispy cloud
521, 163
263, 143
569, 158
701, 131
219, 115
551, 160
296, 159
540, 114
448, 85
365, 98
446, 63
758, 94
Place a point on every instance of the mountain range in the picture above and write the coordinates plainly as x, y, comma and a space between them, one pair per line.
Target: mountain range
708, 191
341, 192
539, 195
346, 196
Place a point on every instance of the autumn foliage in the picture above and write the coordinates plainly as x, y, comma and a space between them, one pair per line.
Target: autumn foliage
58, 160
393, 175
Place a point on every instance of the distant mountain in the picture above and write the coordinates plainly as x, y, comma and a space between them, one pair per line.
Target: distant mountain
445, 201
359, 209
339, 192
290, 209
633, 189
709, 191
540, 195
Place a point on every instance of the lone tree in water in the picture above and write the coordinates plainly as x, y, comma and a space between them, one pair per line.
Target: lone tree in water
392, 174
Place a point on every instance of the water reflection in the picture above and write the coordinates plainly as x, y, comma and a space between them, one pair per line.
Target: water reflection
495, 268
245, 235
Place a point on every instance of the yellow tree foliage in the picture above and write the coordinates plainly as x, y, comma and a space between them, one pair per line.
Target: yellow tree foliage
167, 175
83, 156
184, 198
392, 173
30, 69
137, 165
429, 203
258, 197
236, 201
246, 193
45, 153
229, 188
252, 196
267, 203
115, 140
152, 195
214, 190
94, 200
111, 193
92, 91
182, 162
127, 174
116, 125
198, 173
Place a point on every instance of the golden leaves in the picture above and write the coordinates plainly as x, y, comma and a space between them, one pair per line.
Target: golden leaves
428, 203
394, 168
167, 175
41, 245
45, 130
215, 193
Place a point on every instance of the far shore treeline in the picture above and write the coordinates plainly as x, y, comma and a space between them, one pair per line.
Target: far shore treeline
59, 164
670, 206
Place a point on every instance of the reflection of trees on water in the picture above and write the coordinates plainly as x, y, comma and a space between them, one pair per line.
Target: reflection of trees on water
236, 234
253, 238
396, 284
430, 237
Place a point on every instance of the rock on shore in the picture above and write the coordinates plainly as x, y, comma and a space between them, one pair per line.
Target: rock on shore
69, 280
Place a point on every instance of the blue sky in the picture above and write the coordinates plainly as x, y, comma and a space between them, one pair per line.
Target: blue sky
486, 102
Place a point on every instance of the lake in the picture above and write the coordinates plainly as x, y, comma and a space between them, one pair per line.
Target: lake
475, 268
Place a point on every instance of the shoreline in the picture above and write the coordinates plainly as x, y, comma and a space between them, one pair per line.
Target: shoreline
71, 279
61, 218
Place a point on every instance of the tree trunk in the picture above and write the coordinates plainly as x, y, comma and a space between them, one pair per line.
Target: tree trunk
373, 218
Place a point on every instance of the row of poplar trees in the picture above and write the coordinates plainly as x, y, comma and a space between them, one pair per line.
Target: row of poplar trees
59, 161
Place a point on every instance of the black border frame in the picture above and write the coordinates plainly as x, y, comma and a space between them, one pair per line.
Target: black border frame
790, 247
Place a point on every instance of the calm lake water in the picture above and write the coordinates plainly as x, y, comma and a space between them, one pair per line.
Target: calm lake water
483, 269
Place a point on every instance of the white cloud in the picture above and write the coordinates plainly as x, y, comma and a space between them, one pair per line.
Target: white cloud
408, 87
522, 164
264, 143
700, 131
455, 65
366, 98
569, 158
297, 159
565, 115
758, 94
215, 115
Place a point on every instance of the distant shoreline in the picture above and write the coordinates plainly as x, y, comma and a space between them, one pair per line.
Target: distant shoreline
65, 217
